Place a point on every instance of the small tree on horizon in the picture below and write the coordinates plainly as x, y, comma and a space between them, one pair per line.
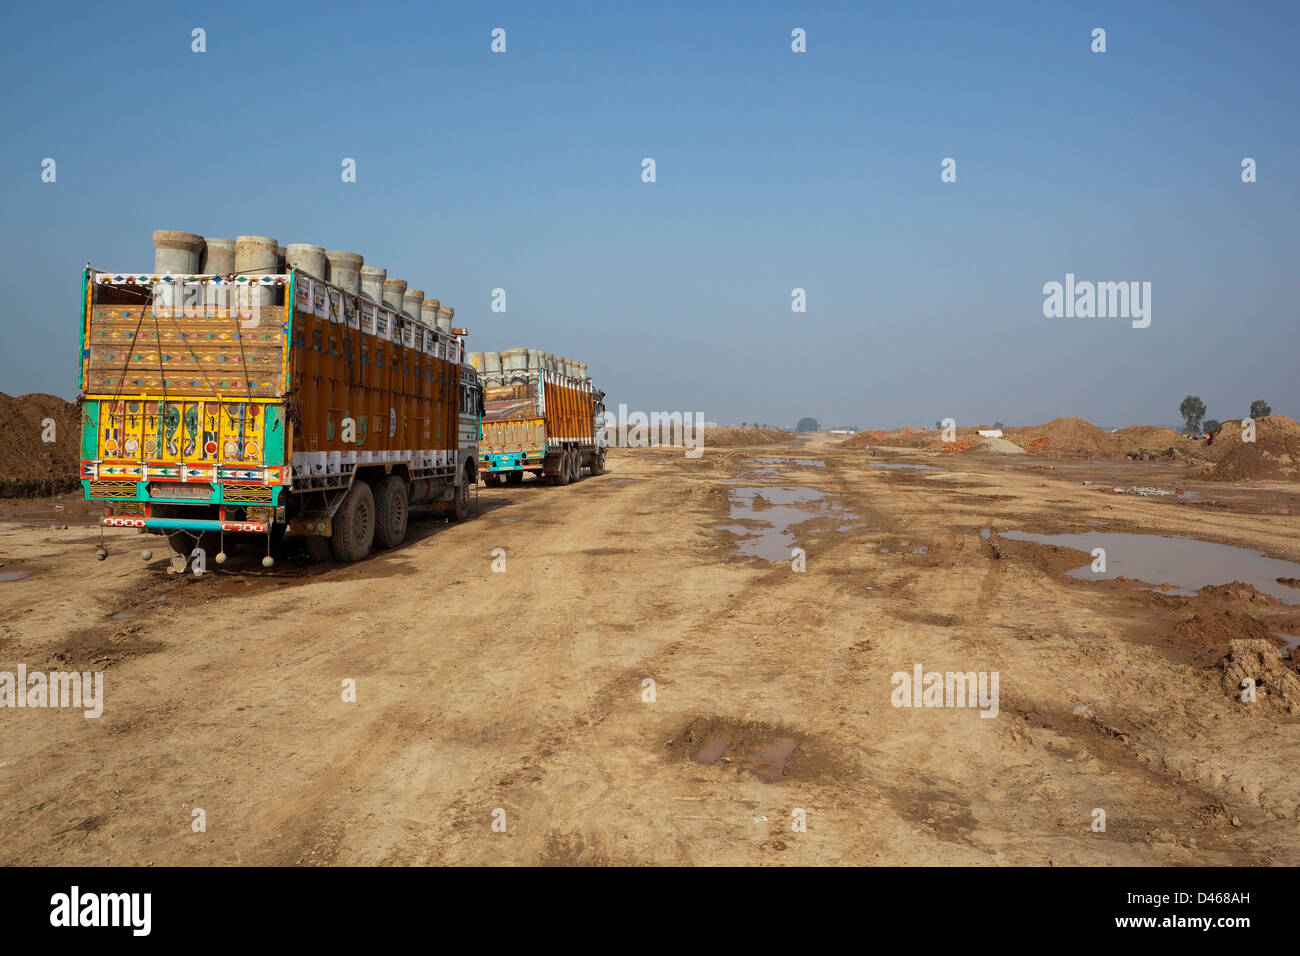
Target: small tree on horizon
1211, 425
1260, 409
807, 424
1193, 410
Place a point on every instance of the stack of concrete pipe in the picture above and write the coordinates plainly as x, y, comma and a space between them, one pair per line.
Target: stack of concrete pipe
187, 253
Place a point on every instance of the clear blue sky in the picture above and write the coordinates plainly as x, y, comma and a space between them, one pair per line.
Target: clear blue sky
775, 170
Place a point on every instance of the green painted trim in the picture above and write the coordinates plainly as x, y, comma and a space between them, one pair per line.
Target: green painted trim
89, 430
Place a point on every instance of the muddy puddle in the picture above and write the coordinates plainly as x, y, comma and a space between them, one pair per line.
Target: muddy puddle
1175, 565
766, 760
13, 575
770, 513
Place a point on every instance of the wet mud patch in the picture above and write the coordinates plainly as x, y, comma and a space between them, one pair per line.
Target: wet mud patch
932, 807
773, 754
96, 648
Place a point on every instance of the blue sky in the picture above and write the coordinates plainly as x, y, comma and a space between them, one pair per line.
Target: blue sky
775, 170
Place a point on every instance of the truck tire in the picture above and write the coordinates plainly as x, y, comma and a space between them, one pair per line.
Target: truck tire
354, 524
514, 478
391, 511
462, 498
562, 476
319, 548
576, 465
598, 464
492, 479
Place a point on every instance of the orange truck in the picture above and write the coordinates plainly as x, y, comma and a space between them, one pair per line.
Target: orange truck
319, 412
542, 415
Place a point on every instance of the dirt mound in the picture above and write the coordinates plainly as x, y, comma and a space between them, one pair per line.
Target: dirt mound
898, 437
30, 466
730, 437
1273, 455
996, 446
1217, 630
1276, 685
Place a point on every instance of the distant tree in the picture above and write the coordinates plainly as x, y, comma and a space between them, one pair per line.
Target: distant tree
1211, 425
998, 425
1193, 410
807, 424
744, 424
1260, 409
938, 426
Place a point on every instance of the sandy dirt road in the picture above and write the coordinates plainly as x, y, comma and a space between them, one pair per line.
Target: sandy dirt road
523, 691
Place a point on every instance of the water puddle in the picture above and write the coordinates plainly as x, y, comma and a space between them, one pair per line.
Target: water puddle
771, 512
12, 575
897, 466
1185, 564
766, 761
1290, 640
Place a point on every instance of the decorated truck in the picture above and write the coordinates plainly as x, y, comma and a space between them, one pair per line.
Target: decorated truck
542, 415
225, 407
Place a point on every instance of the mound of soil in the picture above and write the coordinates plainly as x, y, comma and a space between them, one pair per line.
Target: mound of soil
30, 466
898, 437
1274, 455
1276, 685
730, 437
996, 446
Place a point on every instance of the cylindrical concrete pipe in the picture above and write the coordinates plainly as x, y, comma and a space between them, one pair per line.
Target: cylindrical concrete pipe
306, 257
176, 253
257, 255
491, 368
412, 299
345, 270
372, 282
280, 253
394, 289
429, 313
445, 314
218, 260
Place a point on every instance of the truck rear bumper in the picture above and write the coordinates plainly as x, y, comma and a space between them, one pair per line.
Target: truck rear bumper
185, 524
509, 461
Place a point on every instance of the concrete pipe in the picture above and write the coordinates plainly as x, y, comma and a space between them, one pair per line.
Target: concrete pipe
280, 253
257, 255
394, 289
218, 260
491, 368
412, 301
372, 282
306, 258
429, 313
345, 270
218, 257
445, 314
176, 253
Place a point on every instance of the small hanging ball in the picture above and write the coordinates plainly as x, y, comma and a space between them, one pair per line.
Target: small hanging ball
146, 555
268, 562
221, 557
101, 555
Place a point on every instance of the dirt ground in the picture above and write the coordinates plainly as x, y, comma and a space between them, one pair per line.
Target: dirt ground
518, 695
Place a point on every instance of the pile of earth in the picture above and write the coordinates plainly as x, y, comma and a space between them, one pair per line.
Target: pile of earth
31, 466
1274, 455
1060, 438
747, 435
996, 446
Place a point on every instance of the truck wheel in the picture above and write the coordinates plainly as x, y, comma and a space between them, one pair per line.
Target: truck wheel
462, 499
577, 465
562, 476
598, 464
319, 548
391, 511
354, 524
514, 478
492, 480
